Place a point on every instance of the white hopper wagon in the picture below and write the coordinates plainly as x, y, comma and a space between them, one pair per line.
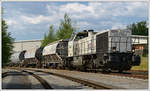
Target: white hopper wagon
54, 53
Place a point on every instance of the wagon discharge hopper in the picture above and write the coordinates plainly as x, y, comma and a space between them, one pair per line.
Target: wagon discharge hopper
54, 54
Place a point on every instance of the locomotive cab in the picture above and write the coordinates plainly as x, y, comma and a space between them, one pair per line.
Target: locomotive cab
74, 38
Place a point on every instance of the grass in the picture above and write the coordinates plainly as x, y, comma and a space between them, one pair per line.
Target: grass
143, 66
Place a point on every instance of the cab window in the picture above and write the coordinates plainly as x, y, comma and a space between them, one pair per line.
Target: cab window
81, 36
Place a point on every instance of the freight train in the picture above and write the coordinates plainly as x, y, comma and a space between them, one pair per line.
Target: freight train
107, 50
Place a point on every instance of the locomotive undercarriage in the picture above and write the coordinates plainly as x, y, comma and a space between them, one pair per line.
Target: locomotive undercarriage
118, 61
82, 63
108, 62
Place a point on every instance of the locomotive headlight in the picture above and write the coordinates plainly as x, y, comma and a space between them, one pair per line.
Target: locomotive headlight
133, 50
114, 49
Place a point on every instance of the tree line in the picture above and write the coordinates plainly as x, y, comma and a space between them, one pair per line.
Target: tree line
139, 28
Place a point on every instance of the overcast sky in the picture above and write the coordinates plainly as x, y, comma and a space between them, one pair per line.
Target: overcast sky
30, 20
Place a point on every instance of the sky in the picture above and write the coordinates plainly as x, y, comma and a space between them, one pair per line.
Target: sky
30, 20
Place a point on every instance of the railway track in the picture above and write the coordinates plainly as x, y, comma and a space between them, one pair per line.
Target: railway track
139, 72
81, 81
4, 74
40, 79
132, 73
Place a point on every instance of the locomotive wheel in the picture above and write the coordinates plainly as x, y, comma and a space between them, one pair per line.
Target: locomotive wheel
82, 68
106, 70
120, 71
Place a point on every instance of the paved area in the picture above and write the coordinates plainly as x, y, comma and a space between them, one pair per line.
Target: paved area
116, 81
19, 80
16, 80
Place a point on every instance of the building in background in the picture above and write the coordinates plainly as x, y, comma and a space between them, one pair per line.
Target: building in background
140, 44
24, 45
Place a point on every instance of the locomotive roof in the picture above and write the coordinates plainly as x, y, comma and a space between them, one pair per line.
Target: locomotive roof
84, 33
107, 30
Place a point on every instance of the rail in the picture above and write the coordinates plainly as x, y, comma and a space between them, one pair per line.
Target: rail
41, 80
4, 74
81, 81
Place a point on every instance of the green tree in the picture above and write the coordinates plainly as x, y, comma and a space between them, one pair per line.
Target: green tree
64, 32
44, 41
7, 44
139, 28
49, 38
51, 35
65, 29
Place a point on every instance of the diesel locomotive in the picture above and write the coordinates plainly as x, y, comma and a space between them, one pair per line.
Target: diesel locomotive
88, 50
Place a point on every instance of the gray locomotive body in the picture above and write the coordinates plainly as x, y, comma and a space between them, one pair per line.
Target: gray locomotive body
110, 49
115, 51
